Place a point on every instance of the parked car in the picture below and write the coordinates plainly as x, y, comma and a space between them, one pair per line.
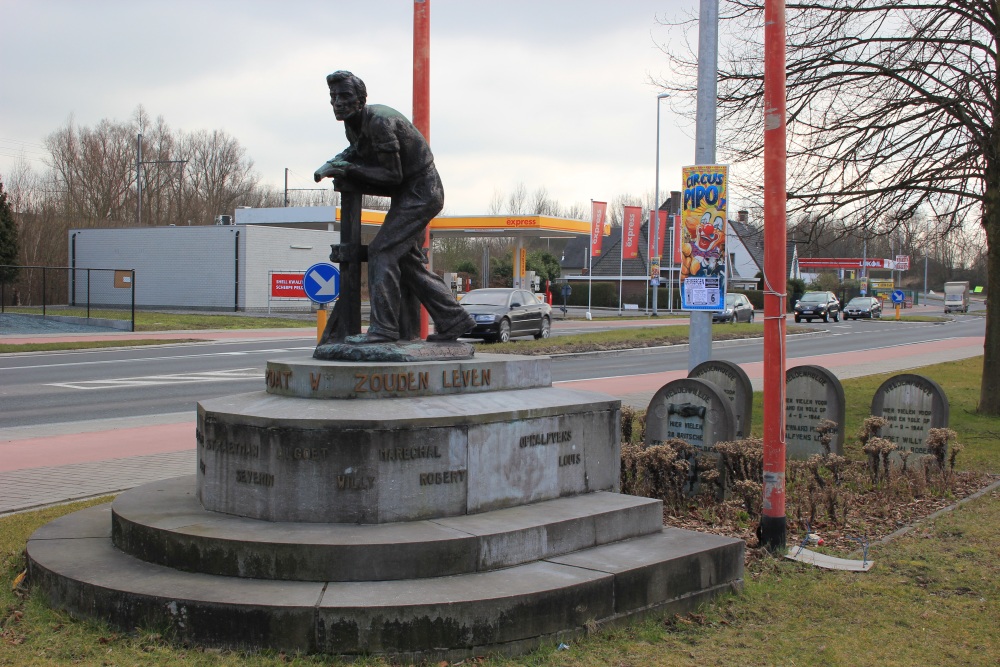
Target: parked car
502, 313
863, 307
738, 309
815, 305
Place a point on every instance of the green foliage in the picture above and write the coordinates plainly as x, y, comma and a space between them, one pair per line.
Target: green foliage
8, 238
827, 281
794, 288
602, 294
501, 272
544, 264
466, 266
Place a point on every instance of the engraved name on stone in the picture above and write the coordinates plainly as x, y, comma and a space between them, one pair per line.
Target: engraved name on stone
288, 453
254, 477
570, 460
446, 477
409, 453
355, 482
236, 448
540, 439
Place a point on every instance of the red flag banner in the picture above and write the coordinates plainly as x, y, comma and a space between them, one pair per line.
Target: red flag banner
630, 232
657, 250
597, 211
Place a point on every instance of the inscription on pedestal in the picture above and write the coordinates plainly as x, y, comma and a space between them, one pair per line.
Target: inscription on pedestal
912, 405
812, 394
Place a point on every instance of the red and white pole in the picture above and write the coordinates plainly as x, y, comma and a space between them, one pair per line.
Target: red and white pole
773, 527
422, 98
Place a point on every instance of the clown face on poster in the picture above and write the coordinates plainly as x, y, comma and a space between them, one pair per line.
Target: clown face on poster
703, 238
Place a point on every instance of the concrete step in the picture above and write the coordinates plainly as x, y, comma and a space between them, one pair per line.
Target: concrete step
164, 523
74, 565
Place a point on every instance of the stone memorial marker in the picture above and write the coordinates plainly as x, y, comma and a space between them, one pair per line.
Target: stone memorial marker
696, 411
912, 405
735, 383
812, 394
693, 410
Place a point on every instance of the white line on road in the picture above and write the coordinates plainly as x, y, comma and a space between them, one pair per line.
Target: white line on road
144, 359
154, 380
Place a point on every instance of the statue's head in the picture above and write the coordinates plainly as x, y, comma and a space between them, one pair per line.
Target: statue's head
347, 94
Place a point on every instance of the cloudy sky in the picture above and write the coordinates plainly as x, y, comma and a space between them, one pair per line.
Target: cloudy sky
549, 93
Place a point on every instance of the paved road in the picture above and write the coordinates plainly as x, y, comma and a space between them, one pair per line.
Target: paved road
78, 424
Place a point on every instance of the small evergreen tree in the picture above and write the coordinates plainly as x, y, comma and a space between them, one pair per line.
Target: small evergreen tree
8, 239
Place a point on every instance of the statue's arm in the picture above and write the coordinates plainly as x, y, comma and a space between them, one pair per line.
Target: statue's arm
386, 174
336, 165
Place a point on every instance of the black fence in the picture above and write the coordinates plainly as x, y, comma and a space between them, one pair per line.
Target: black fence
90, 297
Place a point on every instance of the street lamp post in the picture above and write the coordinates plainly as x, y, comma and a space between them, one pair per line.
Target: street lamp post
656, 204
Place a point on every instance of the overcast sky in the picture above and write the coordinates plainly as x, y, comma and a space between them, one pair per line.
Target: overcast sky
553, 93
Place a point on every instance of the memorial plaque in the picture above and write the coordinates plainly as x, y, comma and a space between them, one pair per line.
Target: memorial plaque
912, 405
693, 410
736, 385
812, 394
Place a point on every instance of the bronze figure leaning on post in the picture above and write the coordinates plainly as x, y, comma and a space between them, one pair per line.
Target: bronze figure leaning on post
388, 156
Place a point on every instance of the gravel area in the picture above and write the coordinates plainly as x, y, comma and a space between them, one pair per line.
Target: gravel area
13, 324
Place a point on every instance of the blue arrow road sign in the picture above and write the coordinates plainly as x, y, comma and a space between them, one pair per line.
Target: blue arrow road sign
898, 296
321, 282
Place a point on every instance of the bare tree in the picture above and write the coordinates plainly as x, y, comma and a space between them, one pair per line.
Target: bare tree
892, 110
495, 205
517, 200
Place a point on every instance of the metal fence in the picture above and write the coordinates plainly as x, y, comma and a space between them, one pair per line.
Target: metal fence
90, 297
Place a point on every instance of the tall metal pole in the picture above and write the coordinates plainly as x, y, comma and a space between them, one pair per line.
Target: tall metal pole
138, 180
286, 186
422, 100
700, 337
773, 529
656, 203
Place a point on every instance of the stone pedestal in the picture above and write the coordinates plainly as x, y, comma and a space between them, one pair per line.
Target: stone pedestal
430, 510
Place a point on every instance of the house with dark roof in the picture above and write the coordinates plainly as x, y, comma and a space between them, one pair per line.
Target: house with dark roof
744, 245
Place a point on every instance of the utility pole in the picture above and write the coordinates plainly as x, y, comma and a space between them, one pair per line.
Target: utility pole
700, 336
138, 180
422, 102
773, 522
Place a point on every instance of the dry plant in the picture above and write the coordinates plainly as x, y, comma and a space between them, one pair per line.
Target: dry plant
628, 422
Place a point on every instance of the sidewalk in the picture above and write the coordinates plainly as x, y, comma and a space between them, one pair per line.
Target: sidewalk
106, 456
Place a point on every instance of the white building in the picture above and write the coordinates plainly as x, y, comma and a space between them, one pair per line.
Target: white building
221, 267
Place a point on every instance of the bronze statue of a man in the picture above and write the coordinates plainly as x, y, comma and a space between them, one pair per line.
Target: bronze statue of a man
387, 154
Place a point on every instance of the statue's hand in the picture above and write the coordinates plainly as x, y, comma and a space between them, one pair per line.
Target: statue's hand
331, 169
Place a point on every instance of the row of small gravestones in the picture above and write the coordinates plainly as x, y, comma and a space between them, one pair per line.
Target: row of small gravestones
715, 403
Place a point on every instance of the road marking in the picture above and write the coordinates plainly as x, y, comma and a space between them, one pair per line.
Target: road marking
164, 358
157, 380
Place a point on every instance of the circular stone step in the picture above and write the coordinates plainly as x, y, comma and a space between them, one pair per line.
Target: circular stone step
163, 522
74, 566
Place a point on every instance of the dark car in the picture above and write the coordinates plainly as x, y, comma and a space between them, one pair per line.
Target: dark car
502, 313
738, 309
816, 305
867, 307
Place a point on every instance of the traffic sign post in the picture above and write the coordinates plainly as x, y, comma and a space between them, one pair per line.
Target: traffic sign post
321, 283
897, 298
